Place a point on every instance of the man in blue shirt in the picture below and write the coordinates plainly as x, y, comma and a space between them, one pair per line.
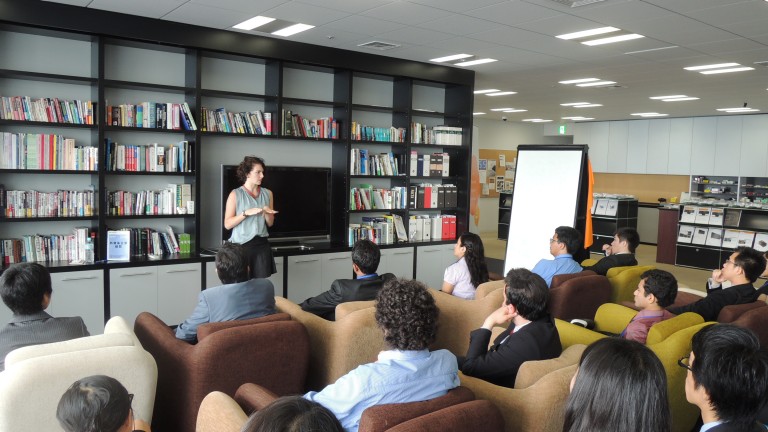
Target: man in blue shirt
407, 371
562, 246
727, 378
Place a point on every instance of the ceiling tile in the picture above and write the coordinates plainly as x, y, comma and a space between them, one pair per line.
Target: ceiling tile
512, 12
415, 36
351, 7
558, 24
71, 2
406, 13
685, 6
364, 25
147, 8
458, 6
726, 47
305, 13
618, 14
198, 14
679, 30
245, 6
460, 25
462, 44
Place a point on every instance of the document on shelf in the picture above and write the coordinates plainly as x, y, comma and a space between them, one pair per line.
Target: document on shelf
716, 217
732, 217
685, 235
746, 238
730, 239
715, 237
761, 242
613, 208
602, 206
702, 215
700, 235
689, 214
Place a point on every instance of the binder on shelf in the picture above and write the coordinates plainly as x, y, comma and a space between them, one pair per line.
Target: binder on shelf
402, 236
732, 217
685, 235
118, 245
700, 235
413, 168
602, 207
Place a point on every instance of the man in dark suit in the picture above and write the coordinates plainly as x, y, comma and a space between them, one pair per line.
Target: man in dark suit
727, 378
531, 334
365, 261
239, 298
620, 253
26, 290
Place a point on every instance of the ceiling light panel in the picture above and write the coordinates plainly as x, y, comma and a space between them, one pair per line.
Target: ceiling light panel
253, 23
712, 66
587, 33
596, 83
476, 62
681, 99
588, 106
613, 39
292, 30
504, 93
451, 58
580, 80
486, 91
727, 70
667, 97
574, 103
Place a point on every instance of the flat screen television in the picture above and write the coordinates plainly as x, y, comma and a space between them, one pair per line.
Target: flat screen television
301, 195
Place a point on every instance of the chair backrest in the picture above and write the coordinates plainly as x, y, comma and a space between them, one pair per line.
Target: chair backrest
664, 329
485, 288
755, 319
37, 376
346, 308
731, 313
220, 413
531, 372
380, 418
458, 317
579, 297
206, 330
560, 279
479, 415
624, 281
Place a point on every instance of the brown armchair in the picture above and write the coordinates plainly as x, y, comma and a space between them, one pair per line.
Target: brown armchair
753, 316
578, 295
272, 351
480, 415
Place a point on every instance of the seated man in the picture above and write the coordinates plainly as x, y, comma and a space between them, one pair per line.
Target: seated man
26, 290
727, 378
621, 251
240, 297
562, 246
741, 270
531, 334
365, 261
657, 290
407, 371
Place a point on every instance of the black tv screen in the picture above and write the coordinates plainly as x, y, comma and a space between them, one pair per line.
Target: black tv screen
301, 195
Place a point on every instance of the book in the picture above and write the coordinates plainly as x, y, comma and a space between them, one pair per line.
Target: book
118, 245
689, 214
402, 236
702, 215
685, 235
700, 235
612, 208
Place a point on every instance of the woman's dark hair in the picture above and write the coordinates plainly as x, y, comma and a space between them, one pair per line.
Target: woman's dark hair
94, 404
246, 166
528, 292
232, 263
293, 414
620, 386
474, 256
407, 314
23, 286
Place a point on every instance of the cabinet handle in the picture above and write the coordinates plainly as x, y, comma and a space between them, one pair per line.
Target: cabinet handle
403, 253
78, 278
135, 274
181, 271
338, 258
430, 250
306, 261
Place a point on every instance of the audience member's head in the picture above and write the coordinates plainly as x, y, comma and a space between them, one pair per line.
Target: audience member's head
628, 240
528, 292
568, 237
407, 314
746, 260
26, 288
366, 256
656, 287
95, 404
293, 414
620, 385
727, 375
474, 256
232, 263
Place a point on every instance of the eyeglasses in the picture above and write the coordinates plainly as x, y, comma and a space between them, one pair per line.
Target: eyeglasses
552, 240
728, 261
130, 398
683, 362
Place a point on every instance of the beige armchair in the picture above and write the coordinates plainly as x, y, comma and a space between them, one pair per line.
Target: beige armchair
458, 317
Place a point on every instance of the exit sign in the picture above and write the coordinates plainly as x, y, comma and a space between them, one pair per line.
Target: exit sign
561, 130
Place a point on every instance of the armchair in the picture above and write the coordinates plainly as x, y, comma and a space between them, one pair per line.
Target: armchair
474, 415
624, 281
458, 317
578, 297
753, 316
271, 350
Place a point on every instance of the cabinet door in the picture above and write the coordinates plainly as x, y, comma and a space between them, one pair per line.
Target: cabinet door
336, 266
79, 294
304, 277
211, 278
132, 291
398, 261
178, 287
431, 264
277, 278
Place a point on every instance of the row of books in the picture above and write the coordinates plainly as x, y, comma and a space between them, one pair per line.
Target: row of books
725, 238
434, 165
366, 197
296, 125
388, 229
152, 115
50, 110
46, 152
439, 135
252, 122
148, 242
361, 132
152, 157
709, 216
428, 195
362, 162
431, 228
46, 248
605, 207
36, 204
174, 199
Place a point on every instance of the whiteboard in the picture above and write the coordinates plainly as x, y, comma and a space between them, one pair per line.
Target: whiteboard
546, 195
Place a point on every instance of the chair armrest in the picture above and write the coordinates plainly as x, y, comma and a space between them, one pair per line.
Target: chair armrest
253, 397
380, 418
346, 308
613, 318
207, 329
571, 334
158, 339
731, 313
220, 413
532, 371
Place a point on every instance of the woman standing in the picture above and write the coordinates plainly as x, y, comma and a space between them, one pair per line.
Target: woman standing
249, 213
463, 277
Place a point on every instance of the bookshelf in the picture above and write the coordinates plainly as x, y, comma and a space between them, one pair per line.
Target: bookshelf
505, 212
716, 187
608, 215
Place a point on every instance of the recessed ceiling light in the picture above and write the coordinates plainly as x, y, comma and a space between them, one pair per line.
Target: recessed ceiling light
478, 113
712, 66
588, 106
577, 118
475, 62
597, 83
504, 93
586, 33
719, 71
574, 103
667, 97
514, 110
738, 110
537, 120
680, 99
450, 58
613, 39
580, 80
253, 23
500, 109
292, 30
486, 91
649, 114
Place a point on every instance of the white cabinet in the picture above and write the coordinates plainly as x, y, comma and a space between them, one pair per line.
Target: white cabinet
637, 147
754, 146
168, 291
431, 262
212, 279
680, 142
658, 147
728, 146
336, 266
618, 137
703, 145
304, 277
398, 261
80, 294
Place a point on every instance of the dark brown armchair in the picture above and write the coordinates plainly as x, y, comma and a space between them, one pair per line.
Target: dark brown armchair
272, 351
578, 295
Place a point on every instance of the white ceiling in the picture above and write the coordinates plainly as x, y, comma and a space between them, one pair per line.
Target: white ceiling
520, 34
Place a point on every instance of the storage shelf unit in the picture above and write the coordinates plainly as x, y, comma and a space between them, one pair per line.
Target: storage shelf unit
608, 215
505, 212
717, 187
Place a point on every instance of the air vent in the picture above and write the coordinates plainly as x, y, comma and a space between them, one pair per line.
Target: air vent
577, 3
378, 45
762, 63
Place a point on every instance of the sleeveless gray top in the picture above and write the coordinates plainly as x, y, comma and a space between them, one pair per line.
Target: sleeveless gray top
254, 225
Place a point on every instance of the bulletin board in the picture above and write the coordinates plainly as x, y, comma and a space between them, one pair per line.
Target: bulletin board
497, 171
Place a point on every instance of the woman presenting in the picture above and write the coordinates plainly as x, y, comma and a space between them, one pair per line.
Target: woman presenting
248, 214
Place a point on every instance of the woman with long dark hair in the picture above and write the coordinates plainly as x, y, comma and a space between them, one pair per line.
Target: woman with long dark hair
620, 386
464, 276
